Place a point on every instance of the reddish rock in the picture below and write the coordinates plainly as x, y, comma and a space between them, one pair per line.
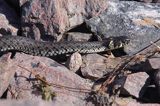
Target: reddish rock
25, 103
136, 84
68, 86
53, 17
9, 21
131, 102
74, 62
95, 66
123, 101
35, 103
7, 71
154, 63
157, 80
76, 36
141, 104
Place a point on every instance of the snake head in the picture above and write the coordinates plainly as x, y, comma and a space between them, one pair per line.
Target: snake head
123, 39
117, 42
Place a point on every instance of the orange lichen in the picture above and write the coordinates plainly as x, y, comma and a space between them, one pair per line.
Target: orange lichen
147, 22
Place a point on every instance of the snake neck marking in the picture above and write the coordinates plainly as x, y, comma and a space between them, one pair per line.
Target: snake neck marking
49, 49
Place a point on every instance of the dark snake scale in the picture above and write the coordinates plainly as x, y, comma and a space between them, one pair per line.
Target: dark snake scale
50, 49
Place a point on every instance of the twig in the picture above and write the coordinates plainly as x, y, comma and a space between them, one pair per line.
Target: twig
122, 66
155, 45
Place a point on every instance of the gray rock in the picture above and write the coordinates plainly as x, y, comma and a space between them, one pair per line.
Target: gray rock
139, 21
150, 1
145, 1
136, 84
53, 17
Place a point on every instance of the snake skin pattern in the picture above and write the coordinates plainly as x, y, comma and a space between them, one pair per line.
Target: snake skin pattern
50, 49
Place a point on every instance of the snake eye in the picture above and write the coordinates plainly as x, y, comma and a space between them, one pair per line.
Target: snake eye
128, 40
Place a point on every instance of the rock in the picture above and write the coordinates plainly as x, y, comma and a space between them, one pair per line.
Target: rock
123, 101
53, 17
141, 104
65, 83
131, 102
36, 32
6, 72
157, 80
34, 103
25, 103
95, 66
148, 64
129, 18
150, 1
146, 1
9, 21
154, 63
156, 1
136, 84
74, 62
77, 36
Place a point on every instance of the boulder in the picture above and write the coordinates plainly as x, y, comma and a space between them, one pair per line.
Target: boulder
139, 21
66, 86
54, 17
9, 20
136, 84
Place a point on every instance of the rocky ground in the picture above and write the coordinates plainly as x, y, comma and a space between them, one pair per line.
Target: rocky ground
122, 77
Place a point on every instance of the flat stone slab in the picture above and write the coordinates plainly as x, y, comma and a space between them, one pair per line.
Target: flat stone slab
136, 84
20, 74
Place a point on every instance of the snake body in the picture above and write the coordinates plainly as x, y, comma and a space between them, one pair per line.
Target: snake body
49, 49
